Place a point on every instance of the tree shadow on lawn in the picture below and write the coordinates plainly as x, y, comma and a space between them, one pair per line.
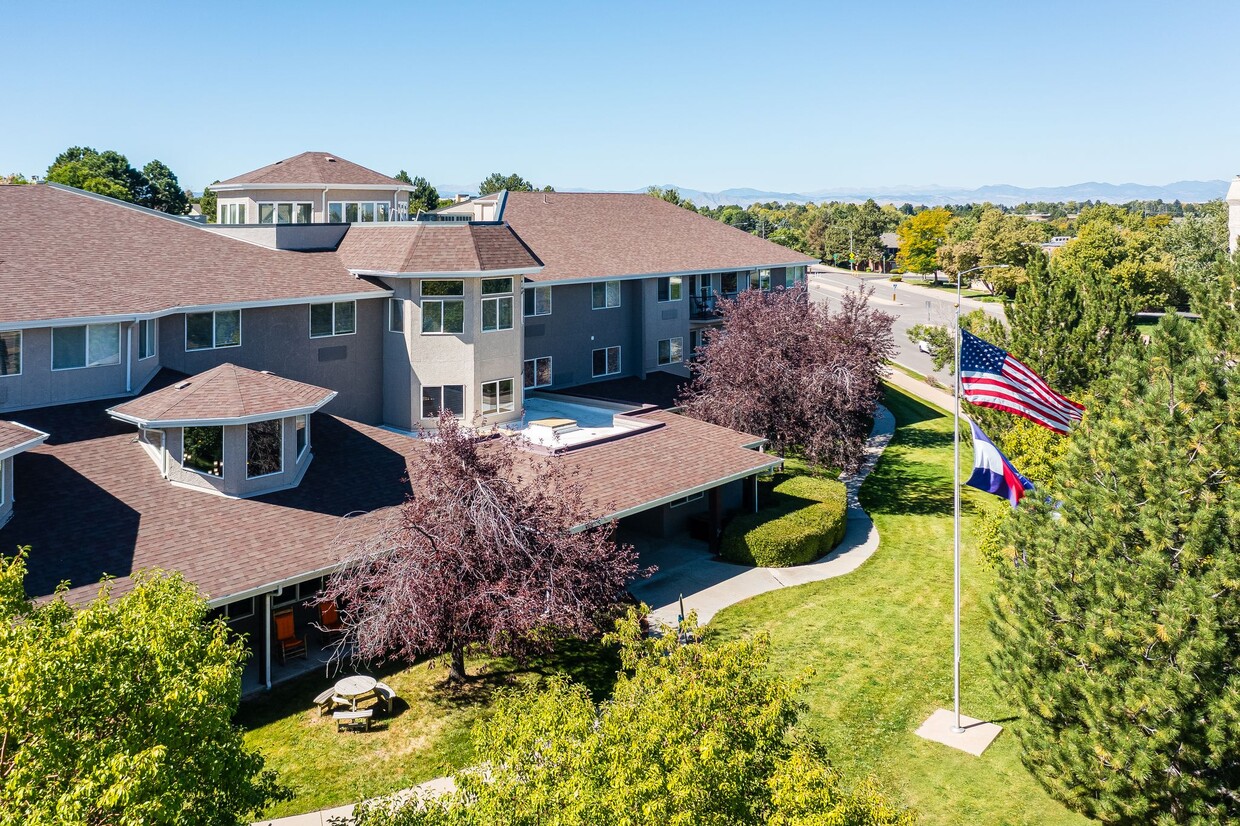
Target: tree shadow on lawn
909, 410
902, 487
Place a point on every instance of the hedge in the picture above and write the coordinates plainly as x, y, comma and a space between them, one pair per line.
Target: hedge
805, 518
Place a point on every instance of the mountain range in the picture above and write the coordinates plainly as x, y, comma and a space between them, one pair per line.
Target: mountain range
1004, 194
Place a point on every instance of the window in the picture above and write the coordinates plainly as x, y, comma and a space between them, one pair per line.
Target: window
684, 500
239, 610
793, 276
147, 330
301, 423
231, 214
537, 301
496, 304
728, 283
695, 341
202, 450
93, 345
284, 213
450, 397
446, 315
604, 295
11, 353
264, 448
497, 396
606, 362
760, 280
669, 288
301, 592
336, 318
396, 315
671, 350
353, 212
538, 372
207, 331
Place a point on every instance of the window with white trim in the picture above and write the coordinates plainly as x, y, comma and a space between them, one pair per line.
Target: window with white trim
537, 301
498, 396
450, 397
760, 280
496, 304
264, 448
671, 350
148, 331
334, 318
604, 295
396, 315
302, 425
202, 450
670, 288
538, 372
275, 212
606, 361
357, 212
11, 353
210, 331
92, 345
230, 214
442, 315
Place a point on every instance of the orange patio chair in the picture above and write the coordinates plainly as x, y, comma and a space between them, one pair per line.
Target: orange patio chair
289, 644
329, 620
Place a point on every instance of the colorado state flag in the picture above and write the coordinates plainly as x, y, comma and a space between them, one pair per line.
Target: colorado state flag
993, 473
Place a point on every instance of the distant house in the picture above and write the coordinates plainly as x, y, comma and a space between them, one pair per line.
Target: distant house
1055, 244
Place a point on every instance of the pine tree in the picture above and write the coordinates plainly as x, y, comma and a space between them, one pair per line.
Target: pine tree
1118, 611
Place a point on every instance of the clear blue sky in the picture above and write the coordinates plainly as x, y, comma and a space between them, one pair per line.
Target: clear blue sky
619, 95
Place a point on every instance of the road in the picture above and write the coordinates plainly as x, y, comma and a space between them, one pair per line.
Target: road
913, 305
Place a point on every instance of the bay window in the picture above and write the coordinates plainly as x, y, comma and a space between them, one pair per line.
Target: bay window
202, 450
264, 448
443, 314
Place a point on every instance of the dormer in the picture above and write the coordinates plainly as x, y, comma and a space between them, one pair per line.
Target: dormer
230, 431
14, 439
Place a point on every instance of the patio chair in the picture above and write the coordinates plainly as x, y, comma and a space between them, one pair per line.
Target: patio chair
329, 621
386, 695
289, 644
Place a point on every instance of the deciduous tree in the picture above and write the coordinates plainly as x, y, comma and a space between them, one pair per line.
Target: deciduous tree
803, 375
487, 553
920, 236
105, 173
693, 734
513, 183
120, 712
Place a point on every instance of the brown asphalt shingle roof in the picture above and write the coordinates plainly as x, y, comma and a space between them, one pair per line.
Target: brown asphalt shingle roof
581, 235
127, 518
434, 247
315, 168
14, 435
224, 392
68, 254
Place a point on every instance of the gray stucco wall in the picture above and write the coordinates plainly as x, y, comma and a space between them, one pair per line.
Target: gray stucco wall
662, 320
573, 331
39, 385
6, 489
234, 481
278, 339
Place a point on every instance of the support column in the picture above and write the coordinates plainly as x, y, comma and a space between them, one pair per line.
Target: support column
264, 656
715, 500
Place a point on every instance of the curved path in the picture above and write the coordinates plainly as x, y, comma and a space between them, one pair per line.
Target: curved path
709, 585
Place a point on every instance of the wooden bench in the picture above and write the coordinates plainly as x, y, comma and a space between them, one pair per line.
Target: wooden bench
386, 695
327, 701
353, 720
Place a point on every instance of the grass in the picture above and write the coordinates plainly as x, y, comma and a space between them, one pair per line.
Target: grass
879, 642
428, 734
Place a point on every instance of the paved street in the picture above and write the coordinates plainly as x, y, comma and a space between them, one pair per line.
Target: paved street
913, 305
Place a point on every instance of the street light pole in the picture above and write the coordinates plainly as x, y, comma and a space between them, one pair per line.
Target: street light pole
957, 728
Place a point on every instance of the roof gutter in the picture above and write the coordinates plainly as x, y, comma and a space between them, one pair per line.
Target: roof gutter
631, 276
37, 439
305, 410
511, 271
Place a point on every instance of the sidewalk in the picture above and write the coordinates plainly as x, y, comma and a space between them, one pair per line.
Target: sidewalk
942, 399
325, 817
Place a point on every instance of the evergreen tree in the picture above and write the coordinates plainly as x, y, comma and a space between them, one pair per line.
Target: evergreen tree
163, 190
1118, 610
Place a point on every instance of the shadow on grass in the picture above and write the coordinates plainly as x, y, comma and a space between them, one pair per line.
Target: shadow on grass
907, 409
902, 487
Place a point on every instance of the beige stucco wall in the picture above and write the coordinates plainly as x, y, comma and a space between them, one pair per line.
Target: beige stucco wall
234, 481
252, 198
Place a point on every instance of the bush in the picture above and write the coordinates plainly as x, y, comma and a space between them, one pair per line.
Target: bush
895, 278
803, 518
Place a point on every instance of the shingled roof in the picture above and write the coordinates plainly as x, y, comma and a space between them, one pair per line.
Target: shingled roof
313, 168
69, 254
14, 438
227, 394
428, 247
587, 235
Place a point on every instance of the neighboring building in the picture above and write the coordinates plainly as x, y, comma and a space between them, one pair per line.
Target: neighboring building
1233, 214
229, 400
1055, 244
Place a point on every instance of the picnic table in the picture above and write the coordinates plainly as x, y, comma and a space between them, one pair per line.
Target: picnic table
355, 688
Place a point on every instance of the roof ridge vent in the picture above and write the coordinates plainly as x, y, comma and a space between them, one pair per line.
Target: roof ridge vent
330, 159
181, 385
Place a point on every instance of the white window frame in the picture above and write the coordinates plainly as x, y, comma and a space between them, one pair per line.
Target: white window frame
333, 304
499, 407
497, 299
534, 291
120, 347
214, 346
680, 343
280, 431
304, 420
375, 207
21, 353
223, 447
396, 311
441, 331
534, 361
606, 305
235, 213
672, 281
619, 361
275, 212
152, 332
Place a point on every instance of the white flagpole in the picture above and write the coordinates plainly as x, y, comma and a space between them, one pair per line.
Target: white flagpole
957, 728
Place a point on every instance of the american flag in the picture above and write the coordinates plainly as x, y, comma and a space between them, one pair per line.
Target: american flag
990, 377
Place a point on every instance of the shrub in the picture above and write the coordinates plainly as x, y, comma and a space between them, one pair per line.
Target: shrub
804, 517
895, 278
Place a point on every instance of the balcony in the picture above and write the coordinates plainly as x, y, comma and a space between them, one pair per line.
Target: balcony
706, 307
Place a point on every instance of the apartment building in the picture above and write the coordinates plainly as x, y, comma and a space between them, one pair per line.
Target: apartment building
229, 400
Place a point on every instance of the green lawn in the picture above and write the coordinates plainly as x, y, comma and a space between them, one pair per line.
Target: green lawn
880, 639
428, 734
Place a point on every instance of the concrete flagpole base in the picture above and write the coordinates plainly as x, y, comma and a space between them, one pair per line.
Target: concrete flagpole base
976, 737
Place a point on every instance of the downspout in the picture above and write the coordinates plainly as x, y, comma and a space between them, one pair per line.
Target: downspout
129, 357
324, 213
267, 634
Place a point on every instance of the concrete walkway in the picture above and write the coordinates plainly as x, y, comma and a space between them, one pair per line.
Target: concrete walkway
709, 585
325, 817
923, 390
